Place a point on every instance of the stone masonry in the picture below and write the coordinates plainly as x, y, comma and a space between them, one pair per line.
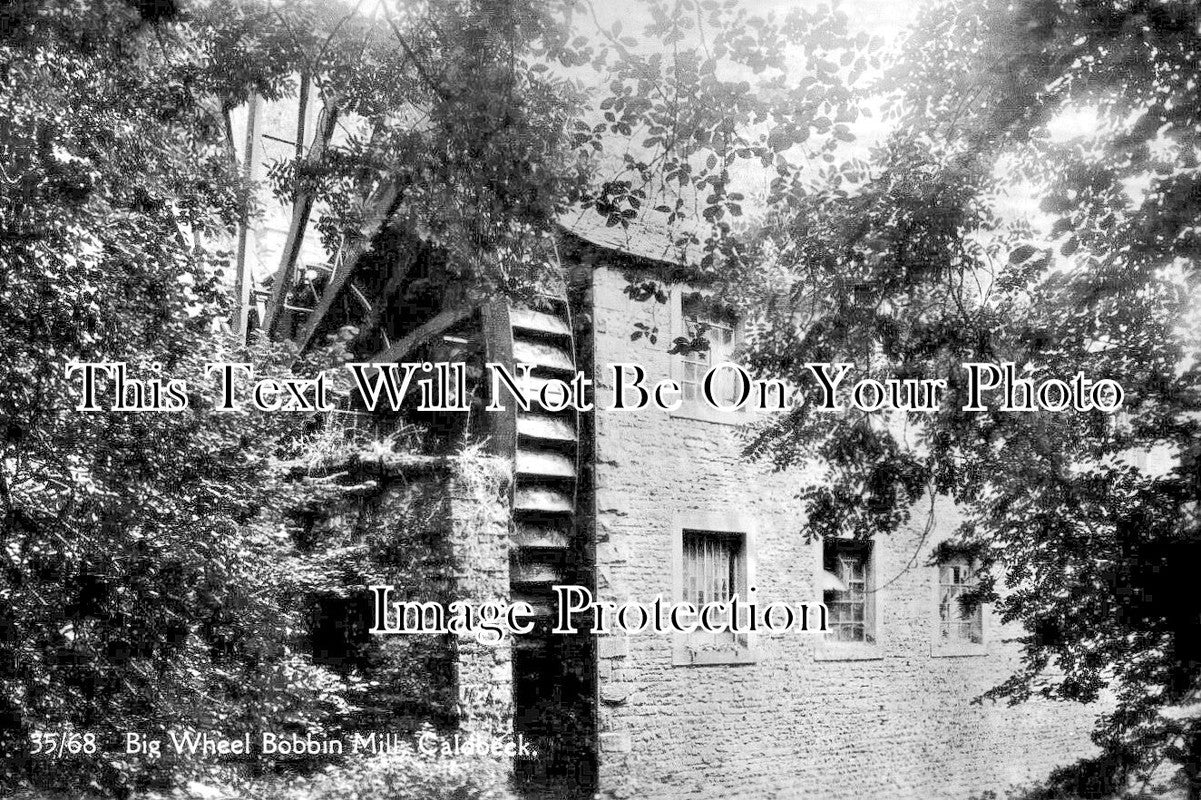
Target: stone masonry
799, 721
438, 529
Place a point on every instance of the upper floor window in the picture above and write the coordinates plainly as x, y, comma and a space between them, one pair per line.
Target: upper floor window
848, 591
693, 317
721, 331
960, 620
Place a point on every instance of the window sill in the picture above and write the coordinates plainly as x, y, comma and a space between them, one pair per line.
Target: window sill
961, 650
707, 413
845, 651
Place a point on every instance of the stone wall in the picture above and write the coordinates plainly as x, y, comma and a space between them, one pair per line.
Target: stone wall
797, 721
478, 516
437, 529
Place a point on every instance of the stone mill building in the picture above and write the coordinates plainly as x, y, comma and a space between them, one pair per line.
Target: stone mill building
648, 502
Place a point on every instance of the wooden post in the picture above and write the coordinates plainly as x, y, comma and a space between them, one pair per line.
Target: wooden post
302, 206
243, 282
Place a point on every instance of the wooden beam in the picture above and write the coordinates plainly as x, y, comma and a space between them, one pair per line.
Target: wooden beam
403, 266
358, 294
381, 206
302, 208
498, 339
243, 281
422, 334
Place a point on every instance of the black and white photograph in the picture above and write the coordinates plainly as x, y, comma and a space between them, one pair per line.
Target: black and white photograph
600, 399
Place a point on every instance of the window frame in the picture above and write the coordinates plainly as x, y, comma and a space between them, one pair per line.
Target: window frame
939, 648
690, 649
859, 556
698, 408
828, 649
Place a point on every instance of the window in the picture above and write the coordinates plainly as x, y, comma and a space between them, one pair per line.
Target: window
712, 563
848, 591
713, 567
721, 332
960, 622
693, 316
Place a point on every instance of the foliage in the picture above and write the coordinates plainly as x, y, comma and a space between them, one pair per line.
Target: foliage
403, 775
709, 94
1099, 778
143, 585
913, 272
452, 106
151, 561
136, 544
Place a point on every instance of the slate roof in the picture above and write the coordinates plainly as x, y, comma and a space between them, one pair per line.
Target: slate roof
648, 237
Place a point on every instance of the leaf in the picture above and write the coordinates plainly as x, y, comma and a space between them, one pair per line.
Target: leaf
780, 138
1022, 253
1056, 204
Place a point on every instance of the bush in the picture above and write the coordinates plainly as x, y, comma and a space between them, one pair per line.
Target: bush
397, 776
